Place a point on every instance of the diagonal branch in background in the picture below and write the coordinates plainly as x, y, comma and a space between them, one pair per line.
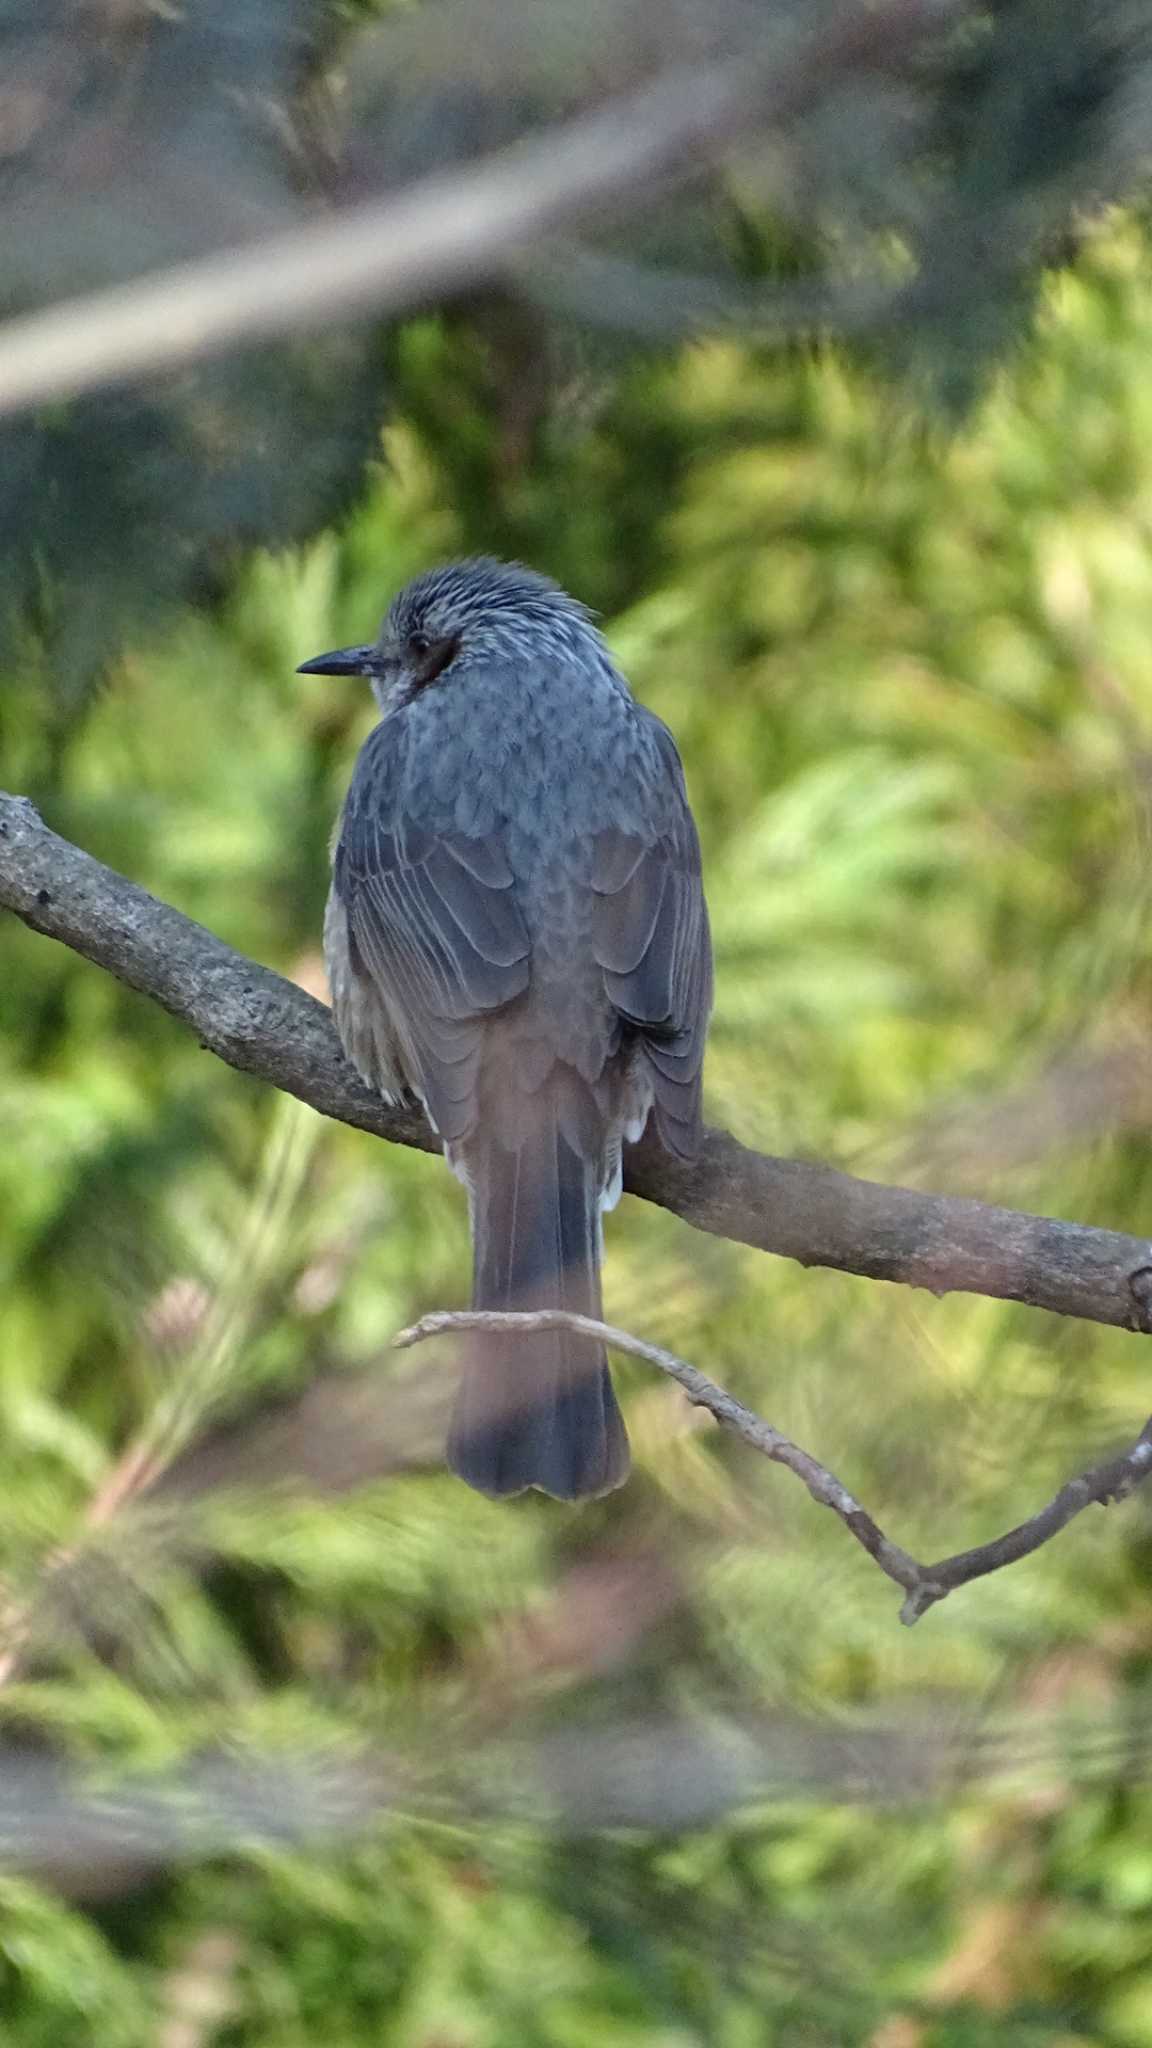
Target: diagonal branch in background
923, 1584
385, 256
266, 1026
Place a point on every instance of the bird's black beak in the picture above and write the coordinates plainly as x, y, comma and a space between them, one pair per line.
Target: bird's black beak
343, 661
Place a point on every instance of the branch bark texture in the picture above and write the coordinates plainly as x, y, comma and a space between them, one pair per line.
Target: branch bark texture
264, 1025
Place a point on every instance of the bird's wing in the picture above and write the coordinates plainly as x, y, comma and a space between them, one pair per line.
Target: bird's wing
651, 938
435, 930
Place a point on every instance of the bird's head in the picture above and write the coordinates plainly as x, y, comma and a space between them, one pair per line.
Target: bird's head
451, 616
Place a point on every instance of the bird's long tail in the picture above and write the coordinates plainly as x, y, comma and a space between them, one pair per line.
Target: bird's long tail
536, 1410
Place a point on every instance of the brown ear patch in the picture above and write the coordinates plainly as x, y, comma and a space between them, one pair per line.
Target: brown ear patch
430, 660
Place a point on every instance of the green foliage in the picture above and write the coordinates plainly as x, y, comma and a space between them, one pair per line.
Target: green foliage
60, 1983
912, 687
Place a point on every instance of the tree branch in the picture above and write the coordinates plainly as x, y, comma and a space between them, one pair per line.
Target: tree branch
266, 1026
444, 232
923, 1584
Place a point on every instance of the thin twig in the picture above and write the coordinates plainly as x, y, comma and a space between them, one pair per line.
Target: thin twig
268, 1027
923, 1584
451, 230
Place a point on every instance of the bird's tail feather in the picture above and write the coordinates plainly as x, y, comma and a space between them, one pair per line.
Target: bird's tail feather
536, 1410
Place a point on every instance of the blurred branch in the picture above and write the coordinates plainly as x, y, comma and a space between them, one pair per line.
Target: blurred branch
263, 1025
331, 1436
605, 290
440, 233
99, 1838
1082, 1093
923, 1584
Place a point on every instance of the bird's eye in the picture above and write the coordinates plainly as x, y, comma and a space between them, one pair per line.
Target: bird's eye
428, 657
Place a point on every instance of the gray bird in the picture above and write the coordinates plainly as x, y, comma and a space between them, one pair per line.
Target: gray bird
516, 933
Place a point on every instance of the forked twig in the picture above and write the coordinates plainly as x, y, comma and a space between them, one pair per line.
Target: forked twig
923, 1584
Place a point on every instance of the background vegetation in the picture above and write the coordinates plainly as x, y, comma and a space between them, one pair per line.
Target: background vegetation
303, 1741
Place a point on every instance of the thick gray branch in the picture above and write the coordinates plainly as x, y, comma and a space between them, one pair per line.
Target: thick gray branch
385, 256
264, 1025
922, 1584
